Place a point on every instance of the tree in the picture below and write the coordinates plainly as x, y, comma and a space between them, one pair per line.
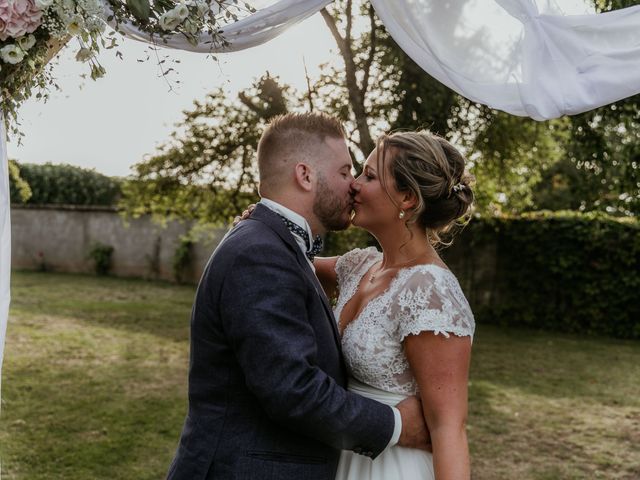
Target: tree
19, 190
207, 171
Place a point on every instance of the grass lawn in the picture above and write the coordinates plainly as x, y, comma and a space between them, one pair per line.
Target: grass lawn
94, 387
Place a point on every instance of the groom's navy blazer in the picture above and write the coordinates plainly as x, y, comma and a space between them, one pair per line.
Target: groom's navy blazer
266, 377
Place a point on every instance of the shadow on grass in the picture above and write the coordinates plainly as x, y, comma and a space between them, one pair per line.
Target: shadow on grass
557, 365
159, 308
103, 414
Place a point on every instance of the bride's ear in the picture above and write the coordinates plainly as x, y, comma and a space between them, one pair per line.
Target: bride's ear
408, 201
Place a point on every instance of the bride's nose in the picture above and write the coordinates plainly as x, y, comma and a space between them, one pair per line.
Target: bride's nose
355, 185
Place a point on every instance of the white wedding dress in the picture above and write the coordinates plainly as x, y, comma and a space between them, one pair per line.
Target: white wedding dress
420, 298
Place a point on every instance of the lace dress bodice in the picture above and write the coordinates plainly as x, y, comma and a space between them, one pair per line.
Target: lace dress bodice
419, 298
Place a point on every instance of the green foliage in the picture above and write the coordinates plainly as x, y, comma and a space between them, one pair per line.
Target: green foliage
19, 190
510, 156
182, 259
101, 256
338, 243
64, 184
564, 271
604, 146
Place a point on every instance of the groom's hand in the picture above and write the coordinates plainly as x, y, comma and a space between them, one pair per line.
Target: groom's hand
415, 433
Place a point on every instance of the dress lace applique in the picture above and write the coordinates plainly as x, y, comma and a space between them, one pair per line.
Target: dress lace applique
420, 298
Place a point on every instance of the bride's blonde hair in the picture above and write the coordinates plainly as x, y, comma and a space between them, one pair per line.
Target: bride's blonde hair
434, 171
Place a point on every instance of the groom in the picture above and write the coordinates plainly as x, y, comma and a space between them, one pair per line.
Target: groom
267, 396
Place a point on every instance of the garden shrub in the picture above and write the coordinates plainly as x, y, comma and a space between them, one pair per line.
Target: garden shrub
182, 259
101, 256
64, 185
564, 271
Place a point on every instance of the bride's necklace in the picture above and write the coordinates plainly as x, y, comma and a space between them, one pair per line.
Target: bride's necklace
373, 276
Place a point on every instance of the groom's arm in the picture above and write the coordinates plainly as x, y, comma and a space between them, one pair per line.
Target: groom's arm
326, 273
265, 318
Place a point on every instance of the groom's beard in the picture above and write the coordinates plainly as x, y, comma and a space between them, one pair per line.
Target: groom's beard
332, 211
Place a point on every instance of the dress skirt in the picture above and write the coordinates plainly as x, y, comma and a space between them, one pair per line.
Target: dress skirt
395, 463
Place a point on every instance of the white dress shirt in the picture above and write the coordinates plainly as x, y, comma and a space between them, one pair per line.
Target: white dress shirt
305, 247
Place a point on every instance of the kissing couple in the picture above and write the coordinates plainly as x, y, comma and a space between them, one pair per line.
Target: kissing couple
284, 387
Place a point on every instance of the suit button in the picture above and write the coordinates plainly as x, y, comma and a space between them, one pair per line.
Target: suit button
357, 450
369, 454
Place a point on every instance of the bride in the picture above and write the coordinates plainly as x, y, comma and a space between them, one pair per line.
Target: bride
406, 326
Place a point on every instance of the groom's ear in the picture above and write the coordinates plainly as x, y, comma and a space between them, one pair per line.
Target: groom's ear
304, 176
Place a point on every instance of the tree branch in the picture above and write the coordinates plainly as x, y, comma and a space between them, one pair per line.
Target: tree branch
372, 50
356, 99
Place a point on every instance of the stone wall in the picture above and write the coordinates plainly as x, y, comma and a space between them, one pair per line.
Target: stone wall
60, 238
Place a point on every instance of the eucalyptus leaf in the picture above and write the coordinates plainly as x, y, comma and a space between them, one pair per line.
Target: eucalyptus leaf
141, 9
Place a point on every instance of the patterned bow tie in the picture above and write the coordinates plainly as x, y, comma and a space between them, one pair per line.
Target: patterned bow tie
296, 229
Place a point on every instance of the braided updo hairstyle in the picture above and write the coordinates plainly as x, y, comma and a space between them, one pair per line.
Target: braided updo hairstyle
434, 171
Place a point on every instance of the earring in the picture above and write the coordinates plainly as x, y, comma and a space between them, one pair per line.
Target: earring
401, 215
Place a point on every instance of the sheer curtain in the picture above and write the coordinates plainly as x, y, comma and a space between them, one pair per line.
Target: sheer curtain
267, 23
5, 240
541, 59
524, 57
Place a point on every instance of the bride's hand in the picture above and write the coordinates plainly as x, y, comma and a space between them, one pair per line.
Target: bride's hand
245, 214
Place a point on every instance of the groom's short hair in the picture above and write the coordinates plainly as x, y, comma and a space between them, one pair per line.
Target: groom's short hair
292, 138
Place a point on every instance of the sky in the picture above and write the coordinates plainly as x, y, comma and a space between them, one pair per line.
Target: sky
112, 123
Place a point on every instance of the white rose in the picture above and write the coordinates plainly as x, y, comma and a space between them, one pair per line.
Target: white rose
27, 42
181, 11
168, 21
11, 54
43, 4
95, 24
75, 25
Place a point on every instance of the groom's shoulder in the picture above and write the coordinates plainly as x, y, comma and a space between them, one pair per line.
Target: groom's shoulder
248, 235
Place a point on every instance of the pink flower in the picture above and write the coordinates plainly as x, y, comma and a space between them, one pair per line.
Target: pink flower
18, 17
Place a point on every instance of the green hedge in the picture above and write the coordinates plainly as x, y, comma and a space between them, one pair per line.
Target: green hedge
564, 271
64, 184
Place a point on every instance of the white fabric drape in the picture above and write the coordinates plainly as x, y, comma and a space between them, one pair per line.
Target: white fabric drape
5, 242
520, 56
256, 29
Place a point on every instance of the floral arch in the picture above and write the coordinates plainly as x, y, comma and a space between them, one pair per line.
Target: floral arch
536, 58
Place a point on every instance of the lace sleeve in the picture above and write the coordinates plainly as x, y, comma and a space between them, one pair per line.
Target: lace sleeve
429, 298
351, 261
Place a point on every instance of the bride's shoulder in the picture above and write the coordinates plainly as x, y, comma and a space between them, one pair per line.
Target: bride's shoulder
430, 277
355, 258
431, 295
360, 254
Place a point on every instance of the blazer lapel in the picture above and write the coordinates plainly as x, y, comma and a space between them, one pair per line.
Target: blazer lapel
270, 218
